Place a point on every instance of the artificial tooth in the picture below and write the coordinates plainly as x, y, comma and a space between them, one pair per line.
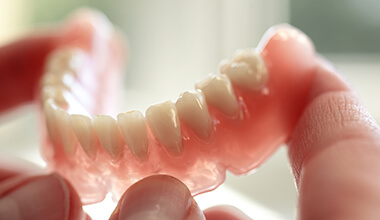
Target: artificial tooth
109, 135
219, 93
247, 70
133, 127
64, 78
66, 132
192, 110
164, 123
83, 127
65, 59
49, 109
56, 93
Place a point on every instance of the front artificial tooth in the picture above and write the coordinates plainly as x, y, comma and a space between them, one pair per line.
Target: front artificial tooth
65, 59
66, 132
109, 135
164, 123
84, 130
133, 127
192, 110
49, 109
56, 93
64, 78
246, 70
219, 93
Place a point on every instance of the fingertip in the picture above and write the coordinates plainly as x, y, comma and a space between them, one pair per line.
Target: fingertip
41, 197
224, 212
157, 197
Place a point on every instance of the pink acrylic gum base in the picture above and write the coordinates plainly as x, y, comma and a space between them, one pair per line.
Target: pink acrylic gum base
238, 144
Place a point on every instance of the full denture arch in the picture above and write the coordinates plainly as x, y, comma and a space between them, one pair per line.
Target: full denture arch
232, 120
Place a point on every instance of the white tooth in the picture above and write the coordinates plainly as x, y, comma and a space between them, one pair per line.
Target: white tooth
109, 135
164, 123
84, 130
67, 136
219, 93
56, 93
63, 77
133, 127
247, 70
49, 109
66, 59
192, 110
224, 65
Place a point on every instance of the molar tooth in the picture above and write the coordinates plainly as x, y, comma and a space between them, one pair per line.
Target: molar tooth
247, 70
164, 123
219, 93
192, 110
49, 109
109, 135
133, 127
65, 59
83, 127
66, 132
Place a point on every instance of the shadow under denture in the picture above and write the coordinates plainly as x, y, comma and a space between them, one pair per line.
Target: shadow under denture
234, 120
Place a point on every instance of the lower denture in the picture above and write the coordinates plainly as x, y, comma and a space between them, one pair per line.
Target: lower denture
239, 128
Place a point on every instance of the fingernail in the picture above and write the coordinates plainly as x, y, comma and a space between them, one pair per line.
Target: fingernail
155, 197
44, 197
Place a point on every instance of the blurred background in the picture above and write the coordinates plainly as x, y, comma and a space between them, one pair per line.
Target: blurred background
174, 43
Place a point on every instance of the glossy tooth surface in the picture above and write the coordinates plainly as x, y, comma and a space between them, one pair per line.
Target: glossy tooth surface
49, 109
66, 132
65, 59
109, 135
219, 93
192, 110
246, 70
64, 78
84, 130
133, 127
164, 123
56, 93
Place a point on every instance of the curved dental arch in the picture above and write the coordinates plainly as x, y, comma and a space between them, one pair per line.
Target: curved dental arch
186, 139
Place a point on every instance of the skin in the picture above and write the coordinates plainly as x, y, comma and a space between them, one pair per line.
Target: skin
333, 151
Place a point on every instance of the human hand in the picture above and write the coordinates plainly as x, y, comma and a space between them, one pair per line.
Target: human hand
333, 151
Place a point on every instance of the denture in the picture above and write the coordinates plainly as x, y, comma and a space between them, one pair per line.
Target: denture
233, 120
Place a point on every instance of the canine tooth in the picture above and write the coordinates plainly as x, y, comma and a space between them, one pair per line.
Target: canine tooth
49, 109
65, 59
83, 127
219, 93
247, 70
133, 127
163, 120
66, 132
109, 135
192, 110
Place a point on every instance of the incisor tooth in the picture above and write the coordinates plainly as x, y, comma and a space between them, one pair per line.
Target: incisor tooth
66, 132
109, 135
56, 93
247, 70
192, 110
65, 59
49, 109
63, 77
164, 123
219, 93
133, 127
84, 130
